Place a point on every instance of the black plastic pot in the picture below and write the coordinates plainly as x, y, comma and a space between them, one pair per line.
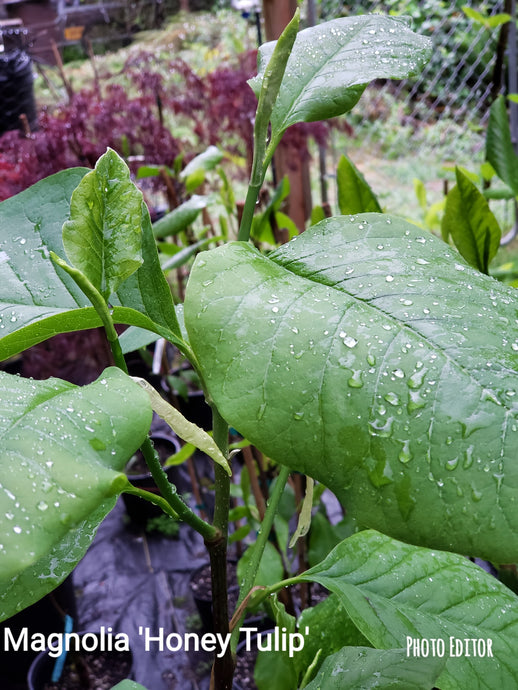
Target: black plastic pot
139, 510
16, 86
42, 667
196, 410
202, 592
45, 616
203, 598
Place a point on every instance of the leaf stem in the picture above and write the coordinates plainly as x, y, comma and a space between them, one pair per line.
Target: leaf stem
167, 489
260, 544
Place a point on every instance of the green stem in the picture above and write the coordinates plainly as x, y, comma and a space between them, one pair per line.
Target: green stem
260, 544
223, 668
248, 213
168, 490
152, 498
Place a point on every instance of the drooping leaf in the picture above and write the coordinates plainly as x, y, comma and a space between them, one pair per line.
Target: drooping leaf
363, 668
207, 160
185, 429
103, 238
62, 452
499, 147
470, 223
393, 591
331, 63
354, 192
181, 217
371, 357
38, 300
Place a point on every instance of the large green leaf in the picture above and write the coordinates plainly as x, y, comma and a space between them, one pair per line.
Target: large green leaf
103, 237
471, 224
393, 591
331, 63
38, 300
63, 449
363, 668
371, 357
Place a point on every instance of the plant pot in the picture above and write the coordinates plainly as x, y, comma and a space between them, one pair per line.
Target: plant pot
44, 616
196, 410
245, 663
104, 669
138, 509
201, 589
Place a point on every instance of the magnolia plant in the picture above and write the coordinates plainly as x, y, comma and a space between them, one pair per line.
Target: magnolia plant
363, 353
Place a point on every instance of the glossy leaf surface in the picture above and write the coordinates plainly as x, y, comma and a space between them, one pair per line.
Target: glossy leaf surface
371, 357
392, 590
103, 238
363, 668
62, 454
38, 300
331, 63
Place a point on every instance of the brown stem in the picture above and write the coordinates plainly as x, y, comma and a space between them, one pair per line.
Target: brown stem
254, 482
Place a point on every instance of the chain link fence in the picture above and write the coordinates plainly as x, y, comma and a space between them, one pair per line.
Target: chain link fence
449, 101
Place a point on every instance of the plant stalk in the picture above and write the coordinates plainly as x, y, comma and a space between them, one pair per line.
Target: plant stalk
260, 544
248, 212
168, 490
223, 668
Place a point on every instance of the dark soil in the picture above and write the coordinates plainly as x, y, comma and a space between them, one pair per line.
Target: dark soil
201, 585
244, 671
94, 671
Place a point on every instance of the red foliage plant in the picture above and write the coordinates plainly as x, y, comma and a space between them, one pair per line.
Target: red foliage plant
220, 108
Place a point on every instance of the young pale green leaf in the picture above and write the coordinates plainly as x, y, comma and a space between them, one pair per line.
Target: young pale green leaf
499, 147
393, 591
354, 193
128, 685
181, 217
331, 63
304, 522
363, 668
470, 223
103, 238
186, 430
63, 449
38, 300
342, 355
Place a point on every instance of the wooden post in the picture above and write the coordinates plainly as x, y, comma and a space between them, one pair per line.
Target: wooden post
277, 14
